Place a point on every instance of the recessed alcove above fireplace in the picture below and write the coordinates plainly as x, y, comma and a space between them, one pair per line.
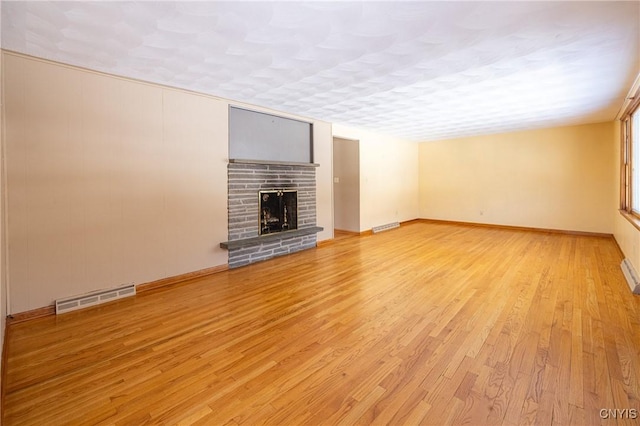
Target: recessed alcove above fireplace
288, 226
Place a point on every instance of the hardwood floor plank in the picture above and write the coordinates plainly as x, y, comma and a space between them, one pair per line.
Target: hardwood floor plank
430, 323
479, 401
576, 379
515, 395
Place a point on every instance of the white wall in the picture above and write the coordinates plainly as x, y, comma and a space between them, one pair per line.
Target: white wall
388, 177
346, 185
559, 178
114, 181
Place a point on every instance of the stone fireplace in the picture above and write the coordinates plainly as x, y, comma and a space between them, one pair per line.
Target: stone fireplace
272, 210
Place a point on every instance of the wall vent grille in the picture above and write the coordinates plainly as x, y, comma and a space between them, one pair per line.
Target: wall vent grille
78, 302
631, 276
386, 227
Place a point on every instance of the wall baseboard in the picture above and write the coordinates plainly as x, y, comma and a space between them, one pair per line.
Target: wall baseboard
410, 222
488, 225
177, 279
517, 228
3, 373
325, 243
618, 247
345, 232
140, 288
164, 282
19, 317
354, 233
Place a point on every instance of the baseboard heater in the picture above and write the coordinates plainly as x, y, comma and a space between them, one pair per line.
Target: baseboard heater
631, 276
95, 298
386, 227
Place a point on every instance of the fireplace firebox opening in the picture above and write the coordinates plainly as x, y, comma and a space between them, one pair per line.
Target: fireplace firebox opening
278, 211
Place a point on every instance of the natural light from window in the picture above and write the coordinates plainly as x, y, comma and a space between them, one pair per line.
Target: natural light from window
635, 161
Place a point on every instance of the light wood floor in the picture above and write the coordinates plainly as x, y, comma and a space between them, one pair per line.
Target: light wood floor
429, 323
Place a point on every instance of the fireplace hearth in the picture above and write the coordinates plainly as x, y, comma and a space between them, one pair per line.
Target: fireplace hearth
278, 211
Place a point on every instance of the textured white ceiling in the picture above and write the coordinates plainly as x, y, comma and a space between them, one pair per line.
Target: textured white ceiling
417, 70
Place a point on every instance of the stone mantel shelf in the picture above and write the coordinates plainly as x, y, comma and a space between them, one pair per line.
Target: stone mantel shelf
248, 242
275, 163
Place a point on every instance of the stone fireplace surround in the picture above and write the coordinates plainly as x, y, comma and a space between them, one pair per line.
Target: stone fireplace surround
245, 180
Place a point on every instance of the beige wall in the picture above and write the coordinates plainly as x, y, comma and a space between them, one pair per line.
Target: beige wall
559, 178
3, 286
346, 185
323, 155
112, 181
388, 177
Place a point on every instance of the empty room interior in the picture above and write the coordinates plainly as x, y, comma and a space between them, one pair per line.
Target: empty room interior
318, 213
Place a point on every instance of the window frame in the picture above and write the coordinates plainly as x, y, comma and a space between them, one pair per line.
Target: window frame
627, 132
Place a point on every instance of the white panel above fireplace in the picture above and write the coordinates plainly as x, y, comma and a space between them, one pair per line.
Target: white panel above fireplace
260, 136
